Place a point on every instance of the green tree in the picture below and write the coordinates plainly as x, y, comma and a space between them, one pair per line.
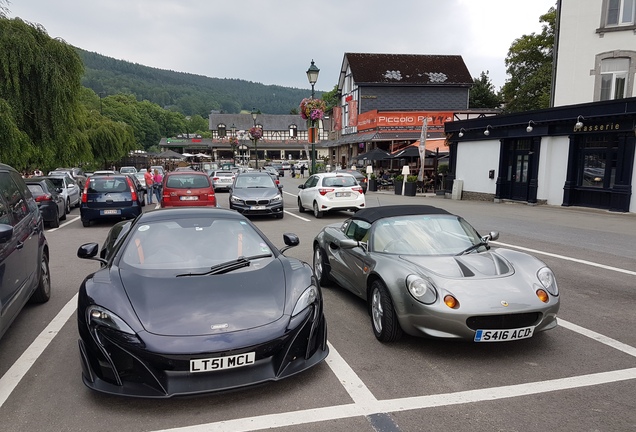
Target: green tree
529, 64
331, 98
40, 87
482, 94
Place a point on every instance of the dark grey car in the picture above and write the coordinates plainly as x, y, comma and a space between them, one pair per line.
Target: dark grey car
256, 193
24, 252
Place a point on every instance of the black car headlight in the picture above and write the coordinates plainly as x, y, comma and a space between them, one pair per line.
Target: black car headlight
547, 279
236, 200
422, 289
96, 315
276, 199
305, 300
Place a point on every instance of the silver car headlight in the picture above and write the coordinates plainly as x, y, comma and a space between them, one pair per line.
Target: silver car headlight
547, 279
306, 299
276, 199
236, 200
96, 315
423, 290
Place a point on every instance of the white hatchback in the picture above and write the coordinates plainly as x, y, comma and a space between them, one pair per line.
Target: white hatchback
330, 192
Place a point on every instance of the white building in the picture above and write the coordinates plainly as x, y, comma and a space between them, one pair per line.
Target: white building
581, 151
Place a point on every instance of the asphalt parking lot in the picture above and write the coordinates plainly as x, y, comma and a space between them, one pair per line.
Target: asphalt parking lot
577, 377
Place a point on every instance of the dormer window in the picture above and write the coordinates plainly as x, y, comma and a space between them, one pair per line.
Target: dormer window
222, 130
293, 131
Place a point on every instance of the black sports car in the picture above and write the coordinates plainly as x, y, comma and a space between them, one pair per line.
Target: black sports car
195, 300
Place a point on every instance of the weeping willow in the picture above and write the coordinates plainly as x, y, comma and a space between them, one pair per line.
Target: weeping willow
40, 110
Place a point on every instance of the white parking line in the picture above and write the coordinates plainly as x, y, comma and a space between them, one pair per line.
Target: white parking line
18, 370
62, 225
590, 263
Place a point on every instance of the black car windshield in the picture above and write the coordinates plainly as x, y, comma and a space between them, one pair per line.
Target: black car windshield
423, 235
193, 243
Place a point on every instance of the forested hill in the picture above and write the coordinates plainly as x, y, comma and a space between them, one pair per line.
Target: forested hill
183, 92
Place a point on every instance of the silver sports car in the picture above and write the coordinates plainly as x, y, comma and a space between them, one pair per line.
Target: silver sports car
426, 272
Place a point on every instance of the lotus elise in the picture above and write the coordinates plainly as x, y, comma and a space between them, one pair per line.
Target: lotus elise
426, 272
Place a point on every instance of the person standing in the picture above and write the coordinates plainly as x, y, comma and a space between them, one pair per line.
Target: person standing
157, 180
302, 171
148, 177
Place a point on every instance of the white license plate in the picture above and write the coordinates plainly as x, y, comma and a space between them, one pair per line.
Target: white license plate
258, 208
220, 363
111, 212
189, 198
503, 335
343, 194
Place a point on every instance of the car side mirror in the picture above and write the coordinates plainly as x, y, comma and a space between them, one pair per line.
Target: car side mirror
6, 232
301, 186
291, 240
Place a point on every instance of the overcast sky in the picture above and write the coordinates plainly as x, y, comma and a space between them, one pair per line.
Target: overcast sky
274, 41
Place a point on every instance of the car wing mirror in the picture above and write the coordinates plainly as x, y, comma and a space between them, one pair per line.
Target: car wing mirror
346, 243
291, 240
6, 232
301, 186
89, 251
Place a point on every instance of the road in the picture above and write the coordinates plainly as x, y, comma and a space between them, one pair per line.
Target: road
580, 376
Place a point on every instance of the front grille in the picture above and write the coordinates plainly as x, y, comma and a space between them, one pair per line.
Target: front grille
503, 322
257, 202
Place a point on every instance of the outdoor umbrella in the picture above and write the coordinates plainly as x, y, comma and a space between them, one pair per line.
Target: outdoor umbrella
373, 155
409, 152
170, 154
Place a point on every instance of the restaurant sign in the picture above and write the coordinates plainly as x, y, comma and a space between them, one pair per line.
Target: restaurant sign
403, 120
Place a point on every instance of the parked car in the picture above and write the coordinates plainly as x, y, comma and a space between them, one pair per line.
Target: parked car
141, 189
187, 188
222, 179
360, 177
50, 202
427, 272
68, 188
105, 172
325, 192
142, 180
256, 193
164, 315
24, 251
279, 168
128, 170
159, 168
109, 196
271, 171
78, 175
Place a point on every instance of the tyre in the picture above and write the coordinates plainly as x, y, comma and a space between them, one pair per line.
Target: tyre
86, 223
63, 217
317, 211
68, 206
55, 223
42, 293
280, 215
383, 317
321, 266
79, 201
301, 209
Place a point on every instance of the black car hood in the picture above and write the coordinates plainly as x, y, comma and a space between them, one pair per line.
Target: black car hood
255, 193
474, 265
206, 305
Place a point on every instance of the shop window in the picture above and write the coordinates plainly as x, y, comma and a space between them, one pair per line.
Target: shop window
597, 167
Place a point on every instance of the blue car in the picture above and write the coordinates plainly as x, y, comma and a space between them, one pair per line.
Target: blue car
110, 197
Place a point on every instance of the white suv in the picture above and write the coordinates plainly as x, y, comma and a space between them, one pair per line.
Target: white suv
330, 192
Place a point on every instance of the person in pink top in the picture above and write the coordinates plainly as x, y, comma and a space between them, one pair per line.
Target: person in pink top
148, 177
157, 179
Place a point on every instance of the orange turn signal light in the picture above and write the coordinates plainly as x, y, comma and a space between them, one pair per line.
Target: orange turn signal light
543, 296
451, 301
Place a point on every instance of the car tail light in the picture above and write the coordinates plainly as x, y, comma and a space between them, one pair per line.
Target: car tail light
45, 197
132, 188
357, 189
325, 191
85, 194
215, 178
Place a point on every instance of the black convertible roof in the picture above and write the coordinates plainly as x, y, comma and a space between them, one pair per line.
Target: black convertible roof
374, 213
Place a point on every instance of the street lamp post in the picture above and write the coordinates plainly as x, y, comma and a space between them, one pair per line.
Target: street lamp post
233, 129
312, 76
254, 114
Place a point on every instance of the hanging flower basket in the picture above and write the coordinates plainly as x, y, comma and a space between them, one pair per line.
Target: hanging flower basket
256, 133
312, 109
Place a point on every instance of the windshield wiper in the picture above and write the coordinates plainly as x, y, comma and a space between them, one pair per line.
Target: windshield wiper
473, 247
228, 266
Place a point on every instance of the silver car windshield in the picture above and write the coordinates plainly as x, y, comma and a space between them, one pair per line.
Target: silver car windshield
423, 235
192, 244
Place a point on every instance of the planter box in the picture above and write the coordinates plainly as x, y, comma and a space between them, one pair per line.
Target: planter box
397, 187
410, 189
373, 185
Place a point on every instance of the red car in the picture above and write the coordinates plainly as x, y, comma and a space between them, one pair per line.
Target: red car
187, 188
